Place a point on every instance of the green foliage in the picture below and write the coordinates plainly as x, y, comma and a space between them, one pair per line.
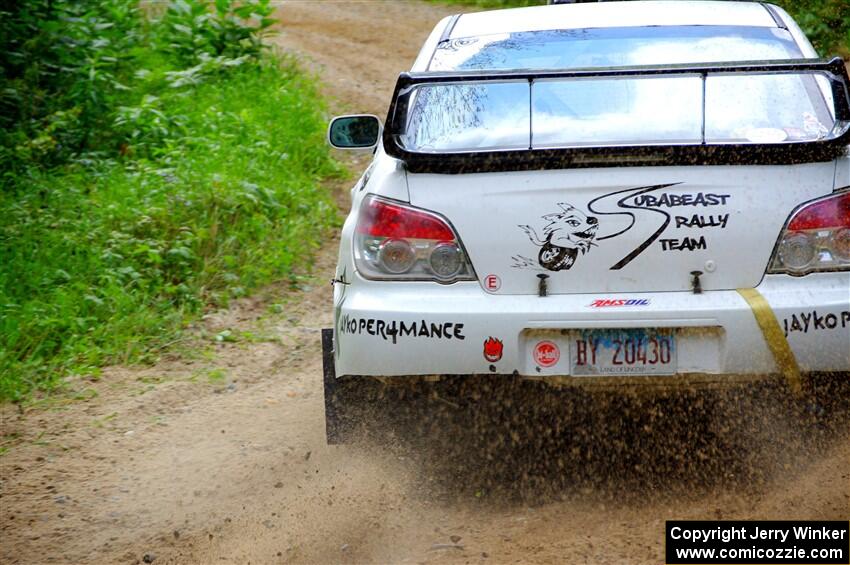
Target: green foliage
825, 22
190, 180
191, 29
63, 63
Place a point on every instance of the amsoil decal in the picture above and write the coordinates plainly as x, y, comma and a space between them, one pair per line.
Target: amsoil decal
393, 329
812, 321
493, 349
565, 235
609, 302
546, 353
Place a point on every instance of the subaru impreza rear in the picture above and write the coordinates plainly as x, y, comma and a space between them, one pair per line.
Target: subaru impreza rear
624, 192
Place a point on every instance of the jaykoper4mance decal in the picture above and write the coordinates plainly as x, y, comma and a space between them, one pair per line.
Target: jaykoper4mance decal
571, 231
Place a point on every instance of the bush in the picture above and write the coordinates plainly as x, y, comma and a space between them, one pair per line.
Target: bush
825, 22
63, 64
191, 29
191, 180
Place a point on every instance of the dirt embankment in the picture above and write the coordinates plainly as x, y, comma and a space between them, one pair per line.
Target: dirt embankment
219, 457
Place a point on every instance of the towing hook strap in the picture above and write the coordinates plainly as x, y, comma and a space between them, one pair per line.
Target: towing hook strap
775, 338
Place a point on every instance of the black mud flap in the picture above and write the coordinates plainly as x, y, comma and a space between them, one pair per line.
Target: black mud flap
339, 401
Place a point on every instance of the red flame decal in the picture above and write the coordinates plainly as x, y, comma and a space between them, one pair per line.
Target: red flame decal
492, 349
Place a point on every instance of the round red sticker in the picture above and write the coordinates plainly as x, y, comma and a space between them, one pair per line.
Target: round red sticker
546, 353
492, 283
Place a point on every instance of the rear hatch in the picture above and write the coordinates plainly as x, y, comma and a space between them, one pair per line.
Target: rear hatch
624, 179
637, 229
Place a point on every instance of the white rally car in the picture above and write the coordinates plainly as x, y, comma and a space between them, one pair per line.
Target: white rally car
600, 193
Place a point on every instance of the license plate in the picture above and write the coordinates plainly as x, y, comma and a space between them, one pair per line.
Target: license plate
623, 353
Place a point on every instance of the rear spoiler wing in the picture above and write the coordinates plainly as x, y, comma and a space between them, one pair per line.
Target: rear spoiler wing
825, 149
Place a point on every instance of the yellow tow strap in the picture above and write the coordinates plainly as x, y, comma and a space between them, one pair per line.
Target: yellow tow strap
775, 338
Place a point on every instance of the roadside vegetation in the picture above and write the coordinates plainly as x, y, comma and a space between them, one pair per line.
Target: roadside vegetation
152, 165
825, 22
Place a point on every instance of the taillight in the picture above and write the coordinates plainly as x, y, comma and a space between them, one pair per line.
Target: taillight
397, 241
816, 237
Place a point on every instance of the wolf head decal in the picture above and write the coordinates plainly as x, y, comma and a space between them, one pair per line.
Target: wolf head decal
566, 233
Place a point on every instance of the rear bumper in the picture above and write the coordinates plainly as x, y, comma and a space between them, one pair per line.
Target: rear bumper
717, 334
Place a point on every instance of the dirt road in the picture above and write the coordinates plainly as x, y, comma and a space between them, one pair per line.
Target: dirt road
219, 456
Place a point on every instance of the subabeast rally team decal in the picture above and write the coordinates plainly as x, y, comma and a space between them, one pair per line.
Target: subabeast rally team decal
566, 234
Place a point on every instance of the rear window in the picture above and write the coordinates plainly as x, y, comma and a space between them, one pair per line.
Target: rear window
678, 109
496, 115
613, 47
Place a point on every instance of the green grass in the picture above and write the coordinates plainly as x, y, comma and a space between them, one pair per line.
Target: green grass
106, 260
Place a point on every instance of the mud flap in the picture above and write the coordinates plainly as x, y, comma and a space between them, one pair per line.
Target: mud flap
334, 422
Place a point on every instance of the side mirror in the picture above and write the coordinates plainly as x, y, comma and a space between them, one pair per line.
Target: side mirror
361, 131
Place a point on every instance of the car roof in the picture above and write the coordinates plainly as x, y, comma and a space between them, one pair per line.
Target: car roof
613, 14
